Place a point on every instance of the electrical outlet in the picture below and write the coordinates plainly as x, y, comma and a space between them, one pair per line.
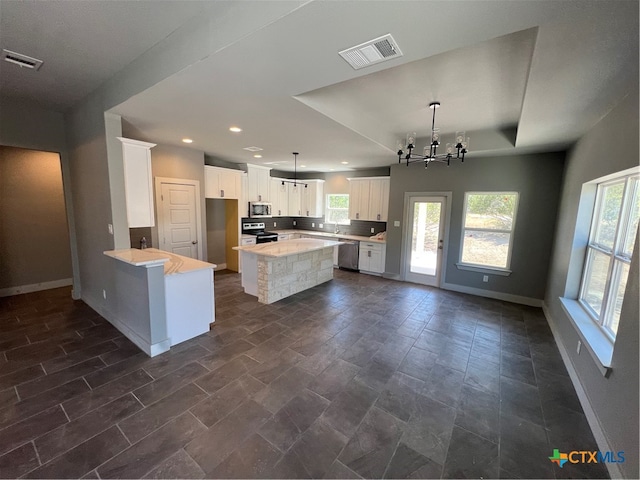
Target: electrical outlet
579, 347
104, 294
485, 278
110, 228
274, 224
396, 223
294, 223
321, 225
373, 230
313, 225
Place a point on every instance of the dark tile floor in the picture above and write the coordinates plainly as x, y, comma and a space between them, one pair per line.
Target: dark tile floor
359, 377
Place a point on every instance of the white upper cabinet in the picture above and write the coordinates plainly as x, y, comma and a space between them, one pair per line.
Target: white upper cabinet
312, 198
359, 199
222, 182
259, 183
369, 198
138, 184
379, 199
279, 197
295, 199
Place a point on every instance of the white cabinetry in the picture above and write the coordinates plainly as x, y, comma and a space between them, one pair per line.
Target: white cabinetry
295, 199
379, 199
222, 182
279, 196
312, 198
372, 257
138, 186
259, 183
369, 199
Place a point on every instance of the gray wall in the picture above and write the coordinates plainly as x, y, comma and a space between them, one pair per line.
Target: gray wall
536, 178
34, 236
181, 163
27, 125
216, 231
611, 146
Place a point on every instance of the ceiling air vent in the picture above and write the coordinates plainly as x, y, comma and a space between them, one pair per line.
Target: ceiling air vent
21, 60
253, 149
374, 51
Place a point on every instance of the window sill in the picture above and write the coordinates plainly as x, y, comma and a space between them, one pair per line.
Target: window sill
489, 270
594, 339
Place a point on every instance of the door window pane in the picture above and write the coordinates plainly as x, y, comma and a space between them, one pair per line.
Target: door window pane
425, 238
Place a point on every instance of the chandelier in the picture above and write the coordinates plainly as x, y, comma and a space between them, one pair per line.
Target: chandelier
456, 149
295, 173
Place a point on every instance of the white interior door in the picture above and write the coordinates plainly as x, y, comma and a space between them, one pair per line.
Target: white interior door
179, 223
425, 239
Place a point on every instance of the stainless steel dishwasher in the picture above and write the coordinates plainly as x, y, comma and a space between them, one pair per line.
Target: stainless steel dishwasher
348, 255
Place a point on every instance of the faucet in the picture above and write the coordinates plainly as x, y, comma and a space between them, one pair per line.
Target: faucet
335, 230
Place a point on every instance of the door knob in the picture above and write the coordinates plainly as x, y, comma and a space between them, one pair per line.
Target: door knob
194, 242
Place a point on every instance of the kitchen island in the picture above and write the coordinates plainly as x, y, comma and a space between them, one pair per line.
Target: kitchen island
162, 298
275, 270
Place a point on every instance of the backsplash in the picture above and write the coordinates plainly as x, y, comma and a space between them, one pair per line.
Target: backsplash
136, 234
357, 227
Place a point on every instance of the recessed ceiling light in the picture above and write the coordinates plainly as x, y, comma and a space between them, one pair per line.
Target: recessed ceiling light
235, 129
303, 166
187, 140
345, 163
257, 156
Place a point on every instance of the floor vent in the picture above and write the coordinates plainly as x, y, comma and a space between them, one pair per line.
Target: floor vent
21, 60
374, 51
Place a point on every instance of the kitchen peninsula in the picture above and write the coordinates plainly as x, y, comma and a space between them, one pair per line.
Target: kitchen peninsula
162, 298
275, 270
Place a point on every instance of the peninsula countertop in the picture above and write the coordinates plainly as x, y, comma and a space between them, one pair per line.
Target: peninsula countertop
289, 247
173, 263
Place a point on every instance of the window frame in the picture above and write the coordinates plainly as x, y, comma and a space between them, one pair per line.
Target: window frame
481, 267
329, 209
616, 254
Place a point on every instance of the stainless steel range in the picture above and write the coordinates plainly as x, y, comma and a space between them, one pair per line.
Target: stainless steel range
257, 229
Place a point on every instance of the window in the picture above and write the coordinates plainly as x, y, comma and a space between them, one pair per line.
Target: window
489, 219
611, 239
337, 208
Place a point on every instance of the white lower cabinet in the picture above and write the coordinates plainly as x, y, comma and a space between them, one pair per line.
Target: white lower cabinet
372, 257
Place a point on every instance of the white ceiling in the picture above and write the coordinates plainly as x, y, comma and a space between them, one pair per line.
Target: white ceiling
518, 76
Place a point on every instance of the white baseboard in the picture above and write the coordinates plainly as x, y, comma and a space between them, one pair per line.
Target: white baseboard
35, 287
150, 349
220, 266
589, 412
507, 297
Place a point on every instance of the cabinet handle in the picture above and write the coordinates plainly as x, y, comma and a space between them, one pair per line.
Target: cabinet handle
357, 216
279, 212
222, 193
259, 198
369, 254
195, 242
307, 213
378, 216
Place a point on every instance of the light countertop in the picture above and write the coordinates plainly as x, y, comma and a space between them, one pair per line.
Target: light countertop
148, 257
359, 238
290, 247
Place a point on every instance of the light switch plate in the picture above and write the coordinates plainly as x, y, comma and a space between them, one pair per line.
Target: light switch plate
294, 223
373, 230
110, 228
321, 225
313, 225
396, 223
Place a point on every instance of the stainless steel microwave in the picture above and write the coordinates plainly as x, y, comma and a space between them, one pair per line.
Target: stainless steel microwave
259, 209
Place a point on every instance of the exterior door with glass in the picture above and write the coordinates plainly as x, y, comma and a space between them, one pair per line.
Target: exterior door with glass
424, 238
